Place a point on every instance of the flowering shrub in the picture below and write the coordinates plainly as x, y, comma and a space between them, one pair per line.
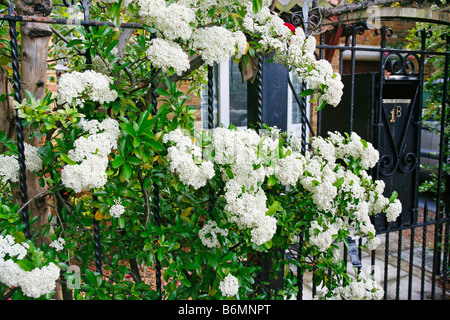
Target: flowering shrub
206, 206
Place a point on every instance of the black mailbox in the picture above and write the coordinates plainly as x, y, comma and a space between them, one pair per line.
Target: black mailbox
387, 113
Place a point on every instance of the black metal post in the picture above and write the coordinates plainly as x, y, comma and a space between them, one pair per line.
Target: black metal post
442, 149
259, 88
156, 207
210, 127
19, 126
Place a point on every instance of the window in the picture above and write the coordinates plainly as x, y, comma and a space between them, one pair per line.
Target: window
230, 100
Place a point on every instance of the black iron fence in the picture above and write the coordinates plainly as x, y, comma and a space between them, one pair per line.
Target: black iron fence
372, 104
384, 107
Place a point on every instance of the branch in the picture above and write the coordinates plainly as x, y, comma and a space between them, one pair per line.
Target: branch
195, 63
146, 198
41, 194
65, 40
353, 7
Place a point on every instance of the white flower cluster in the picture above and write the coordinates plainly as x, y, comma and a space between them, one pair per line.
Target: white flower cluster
9, 168
274, 34
208, 234
344, 199
188, 25
361, 288
168, 55
321, 78
237, 150
229, 286
34, 283
186, 160
9, 248
173, 22
296, 50
9, 165
77, 87
332, 186
58, 244
216, 44
245, 198
117, 209
176, 33
92, 153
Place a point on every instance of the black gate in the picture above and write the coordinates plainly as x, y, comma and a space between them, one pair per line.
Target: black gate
385, 107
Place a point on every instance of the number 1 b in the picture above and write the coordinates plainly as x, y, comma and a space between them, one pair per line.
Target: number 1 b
396, 113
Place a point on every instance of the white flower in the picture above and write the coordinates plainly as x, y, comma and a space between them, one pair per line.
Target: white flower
9, 168
76, 87
58, 244
208, 234
172, 22
324, 148
39, 281
92, 154
361, 288
372, 243
185, 160
8, 247
215, 44
289, 169
241, 44
9, 165
34, 283
263, 230
33, 161
167, 55
393, 210
117, 209
320, 237
229, 286
89, 174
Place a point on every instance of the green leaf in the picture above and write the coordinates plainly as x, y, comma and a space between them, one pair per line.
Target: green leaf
322, 105
268, 244
273, 208
306, 93
162, 92
191, 265
111, 46
160, 254
272, 181
67, 160
155, 145
128, 128
364, 143
257, 5
74, 42
184, 280
133, 160
229, 172
136, 142
19, 237
92, 278
121, 221
25, 265
118, 161
125, 172
339, 182
393, 196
